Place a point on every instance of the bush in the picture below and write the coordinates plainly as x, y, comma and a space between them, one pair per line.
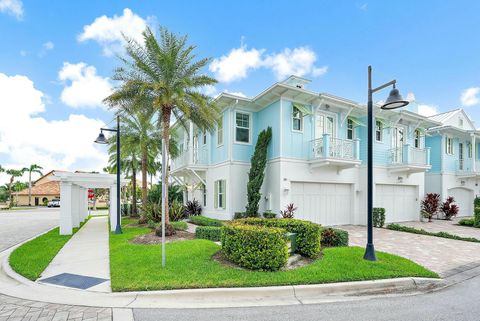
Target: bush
151, 224
176, 211
289, 211
255, 247
126, 209
212, 233
467, 222
378, 216
430, 205
476, 217
193, 208
308, 233
449, 209
179, 225
269, 215
205, 221
332, 237
398, 227
169, 230
476, 202
153, 211
239, 215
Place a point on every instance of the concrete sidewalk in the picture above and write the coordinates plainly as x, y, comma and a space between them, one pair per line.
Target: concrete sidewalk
85, 255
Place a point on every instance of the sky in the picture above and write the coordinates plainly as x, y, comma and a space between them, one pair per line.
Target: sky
57, 59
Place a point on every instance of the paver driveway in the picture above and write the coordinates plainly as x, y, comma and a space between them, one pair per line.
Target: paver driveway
451, 227
441, 255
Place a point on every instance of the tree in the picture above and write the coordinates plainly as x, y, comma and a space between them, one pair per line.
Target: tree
167, 72
257, 172
34, 168
430, 205
14, 173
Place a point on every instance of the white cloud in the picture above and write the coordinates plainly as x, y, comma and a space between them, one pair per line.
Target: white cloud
23, 53
12, 7
107, 31
469, 96
83, 87
210, 90
410, 97
48, 45
236, 64
26, 137
427, 110
298, 61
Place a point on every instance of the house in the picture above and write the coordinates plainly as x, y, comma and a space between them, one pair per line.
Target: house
455, 171
316, 158
43, 191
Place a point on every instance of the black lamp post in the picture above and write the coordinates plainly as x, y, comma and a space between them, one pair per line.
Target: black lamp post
102, 140
393, 101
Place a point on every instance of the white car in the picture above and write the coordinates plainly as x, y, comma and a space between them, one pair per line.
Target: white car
54, 203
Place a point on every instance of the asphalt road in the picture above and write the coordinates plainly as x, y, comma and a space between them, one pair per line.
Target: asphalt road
20, 225
457, 303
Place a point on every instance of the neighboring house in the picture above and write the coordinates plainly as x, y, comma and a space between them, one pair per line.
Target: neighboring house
43, 191
316, 158
455, 159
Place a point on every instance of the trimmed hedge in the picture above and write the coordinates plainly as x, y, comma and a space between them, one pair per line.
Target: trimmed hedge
212, 233
255, 247
205, 221
269, 215
467, 222
402, 228
179, 225
332, 237
476, 217
378, 216
308, 233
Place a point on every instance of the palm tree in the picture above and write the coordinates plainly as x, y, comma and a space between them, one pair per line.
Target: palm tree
34, 168
14, 173
168, 73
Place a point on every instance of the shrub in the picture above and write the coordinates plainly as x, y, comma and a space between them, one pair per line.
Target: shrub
193, 208
255, 247
269, 215
151, 224
152, 211
126, 209
476, 201
257, 172
289, 211
239, 215
176, 211
169, 230
205, 221
308, 233
378, 216
332, 237
467, 222
398, 227
430, 205
212, 233
179, 225
449, 209
476, 217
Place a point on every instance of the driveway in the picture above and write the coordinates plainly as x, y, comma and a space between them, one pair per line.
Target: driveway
441, 255
20, 225
451, 227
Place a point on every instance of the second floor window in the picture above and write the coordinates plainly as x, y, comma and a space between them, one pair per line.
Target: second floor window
449, 146
378, 131
220, 132
350, 130
417, 139
242, 127
297, 119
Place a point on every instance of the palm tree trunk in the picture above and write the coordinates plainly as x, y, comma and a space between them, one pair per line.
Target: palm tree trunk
166, 134
29, 188
134, 192
144, 178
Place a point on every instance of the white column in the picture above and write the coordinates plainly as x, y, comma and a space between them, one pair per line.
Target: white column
85, 202
474, 154
75, 207
83, 213
66, 222
113, 207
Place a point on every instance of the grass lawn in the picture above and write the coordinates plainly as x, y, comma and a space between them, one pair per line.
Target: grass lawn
189, 265
32, 258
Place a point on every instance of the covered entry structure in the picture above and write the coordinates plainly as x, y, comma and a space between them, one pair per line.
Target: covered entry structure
74, 197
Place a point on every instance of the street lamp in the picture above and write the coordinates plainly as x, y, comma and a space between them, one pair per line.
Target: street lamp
102, 140
393, 101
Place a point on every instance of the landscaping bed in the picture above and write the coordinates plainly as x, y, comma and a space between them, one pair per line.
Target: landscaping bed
408, 229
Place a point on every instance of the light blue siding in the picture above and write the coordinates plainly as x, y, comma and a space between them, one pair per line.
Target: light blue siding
219, 154
435, 144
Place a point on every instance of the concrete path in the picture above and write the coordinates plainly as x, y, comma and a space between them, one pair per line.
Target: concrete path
20, 225
441, 255
451, 227
86, 254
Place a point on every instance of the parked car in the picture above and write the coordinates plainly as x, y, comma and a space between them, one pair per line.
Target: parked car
54, 203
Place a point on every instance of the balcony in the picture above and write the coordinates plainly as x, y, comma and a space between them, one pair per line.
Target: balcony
196, 158
333, 151
409, 159
465, 168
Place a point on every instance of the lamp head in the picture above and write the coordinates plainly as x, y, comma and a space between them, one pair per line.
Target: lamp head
101, 138
394, 100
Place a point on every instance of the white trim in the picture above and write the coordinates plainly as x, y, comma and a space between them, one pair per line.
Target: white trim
223, 133
302, 125
328, 114
250, 127
381, 131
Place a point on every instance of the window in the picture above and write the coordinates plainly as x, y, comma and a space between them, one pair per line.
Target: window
378, 131
204, 137
297, 119
350, 130
220, 196
220, 132
469, 150
242, 128
449, 146
417, 141
204, 193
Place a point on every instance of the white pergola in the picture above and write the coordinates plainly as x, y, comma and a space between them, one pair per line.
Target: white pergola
74, 197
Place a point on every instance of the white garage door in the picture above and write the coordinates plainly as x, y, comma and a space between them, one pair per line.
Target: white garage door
464, 199
323, 203
399, 201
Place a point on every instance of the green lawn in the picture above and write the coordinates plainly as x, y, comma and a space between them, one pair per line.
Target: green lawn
189, 265
31, 258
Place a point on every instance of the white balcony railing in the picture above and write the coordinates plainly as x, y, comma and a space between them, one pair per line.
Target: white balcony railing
465, 166
196, 156
408, 155
333, 147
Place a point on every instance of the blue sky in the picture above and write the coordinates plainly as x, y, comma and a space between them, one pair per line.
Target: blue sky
57, 57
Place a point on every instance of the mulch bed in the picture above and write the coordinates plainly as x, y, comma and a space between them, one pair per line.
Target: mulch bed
152, 238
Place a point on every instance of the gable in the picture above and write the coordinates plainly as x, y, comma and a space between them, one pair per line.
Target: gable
459, 120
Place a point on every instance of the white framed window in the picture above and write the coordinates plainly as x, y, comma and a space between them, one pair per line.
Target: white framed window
469, 150
204, 137
242, 127
220, 194
417, 139
350, 129
220, 132
449, 145
204, 194
378, 131
297, 120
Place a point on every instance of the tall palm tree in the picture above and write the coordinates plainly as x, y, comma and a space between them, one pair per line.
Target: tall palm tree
167, 71
14, 173
34, 168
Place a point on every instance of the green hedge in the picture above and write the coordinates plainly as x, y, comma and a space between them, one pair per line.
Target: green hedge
205, 221
402, 228
332, 237
467, 222
255, 247
476, 217
378, 216
212, 233
308, 233
179, 225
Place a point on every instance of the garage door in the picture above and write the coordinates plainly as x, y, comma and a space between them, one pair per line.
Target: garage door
464, 200
400, 202
323, 203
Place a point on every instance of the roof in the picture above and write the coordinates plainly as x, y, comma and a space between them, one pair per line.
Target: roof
444, 116
52, 172
49, 188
